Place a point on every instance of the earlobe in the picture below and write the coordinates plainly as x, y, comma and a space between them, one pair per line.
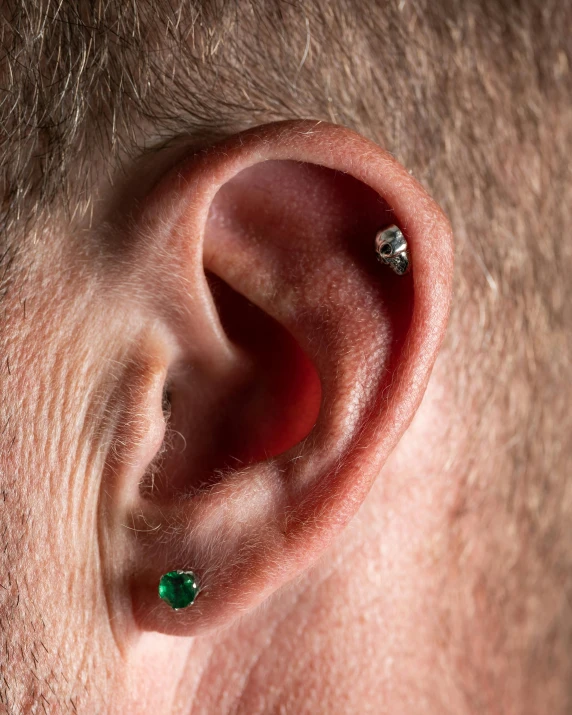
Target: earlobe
300, 360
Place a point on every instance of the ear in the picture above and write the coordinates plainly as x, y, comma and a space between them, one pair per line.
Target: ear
280, 364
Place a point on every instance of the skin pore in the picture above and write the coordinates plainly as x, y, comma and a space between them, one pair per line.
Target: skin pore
449, 589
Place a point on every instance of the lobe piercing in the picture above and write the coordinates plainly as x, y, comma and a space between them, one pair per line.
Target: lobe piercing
179, 589
391, 249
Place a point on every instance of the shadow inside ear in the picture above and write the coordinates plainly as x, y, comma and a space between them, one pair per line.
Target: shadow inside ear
282, 400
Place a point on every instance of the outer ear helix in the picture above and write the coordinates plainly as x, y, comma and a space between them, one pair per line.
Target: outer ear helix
197, 559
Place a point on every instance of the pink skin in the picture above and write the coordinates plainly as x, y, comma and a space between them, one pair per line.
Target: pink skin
312, 393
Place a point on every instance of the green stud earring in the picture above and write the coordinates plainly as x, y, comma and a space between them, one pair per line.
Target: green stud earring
179, 589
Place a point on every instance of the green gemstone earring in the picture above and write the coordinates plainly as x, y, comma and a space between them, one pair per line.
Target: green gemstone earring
179, 589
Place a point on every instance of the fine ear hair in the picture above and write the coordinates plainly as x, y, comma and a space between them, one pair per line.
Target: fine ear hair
280, 364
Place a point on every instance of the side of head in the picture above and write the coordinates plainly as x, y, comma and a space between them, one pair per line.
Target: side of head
207, 369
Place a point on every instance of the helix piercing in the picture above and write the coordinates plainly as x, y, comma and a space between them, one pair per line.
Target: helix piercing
391, 248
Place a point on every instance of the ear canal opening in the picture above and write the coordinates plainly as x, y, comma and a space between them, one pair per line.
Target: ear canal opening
216, 429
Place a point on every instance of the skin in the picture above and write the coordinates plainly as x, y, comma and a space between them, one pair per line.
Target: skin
434, 571
320, 564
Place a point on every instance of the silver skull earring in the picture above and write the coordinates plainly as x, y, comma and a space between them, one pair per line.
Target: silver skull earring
391, 249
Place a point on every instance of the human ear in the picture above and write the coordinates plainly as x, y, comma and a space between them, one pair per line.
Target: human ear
279, 366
